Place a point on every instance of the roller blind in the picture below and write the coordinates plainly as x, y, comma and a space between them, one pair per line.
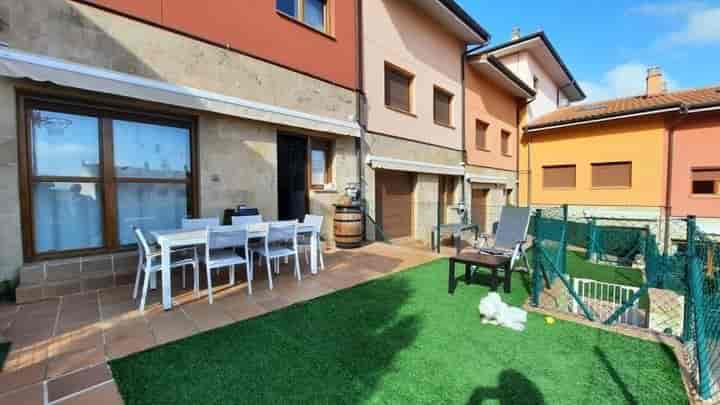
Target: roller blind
442, 107
397, 89
706, 174
559, 176
616, 174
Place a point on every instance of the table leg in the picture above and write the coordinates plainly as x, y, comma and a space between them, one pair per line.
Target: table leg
467, 273
494, 279
508, 278
166, 286
451, 277
314, 247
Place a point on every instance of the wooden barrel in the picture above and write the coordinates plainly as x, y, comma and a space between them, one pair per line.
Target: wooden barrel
348, 226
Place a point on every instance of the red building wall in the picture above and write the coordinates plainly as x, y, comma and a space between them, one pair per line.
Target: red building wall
257, 29
696, 143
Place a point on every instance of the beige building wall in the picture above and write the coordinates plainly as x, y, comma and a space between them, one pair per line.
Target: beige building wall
237, 159
396, 32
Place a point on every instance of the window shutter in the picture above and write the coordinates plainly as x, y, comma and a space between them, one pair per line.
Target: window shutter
559, 176
442, 107
706, 174
397, 89
617, 174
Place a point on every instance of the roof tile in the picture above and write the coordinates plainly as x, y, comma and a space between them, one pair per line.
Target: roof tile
623, 106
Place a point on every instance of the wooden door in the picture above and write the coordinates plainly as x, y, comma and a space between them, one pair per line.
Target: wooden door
393, 197
479, 208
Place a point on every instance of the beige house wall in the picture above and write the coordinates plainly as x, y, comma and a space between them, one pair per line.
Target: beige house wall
396, 32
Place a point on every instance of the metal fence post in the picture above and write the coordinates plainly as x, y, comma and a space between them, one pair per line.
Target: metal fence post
592, 244
697, 282
536, 276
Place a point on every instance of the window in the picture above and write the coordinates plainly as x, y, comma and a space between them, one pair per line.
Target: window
536, 82
398, 88
706, 181
505, 142
561, 176
311, 12
92, 175
509, 197
615, 174
481, 135
321, 158
442, 103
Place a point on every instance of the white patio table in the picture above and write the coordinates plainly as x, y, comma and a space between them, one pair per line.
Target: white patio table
175, 238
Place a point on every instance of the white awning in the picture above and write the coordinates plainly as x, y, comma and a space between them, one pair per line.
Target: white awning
378, 162
23, 65
488, 179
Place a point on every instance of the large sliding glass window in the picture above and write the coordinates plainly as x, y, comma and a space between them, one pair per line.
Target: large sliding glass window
92, 175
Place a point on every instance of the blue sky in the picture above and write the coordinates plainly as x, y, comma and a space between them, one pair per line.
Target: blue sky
608, 45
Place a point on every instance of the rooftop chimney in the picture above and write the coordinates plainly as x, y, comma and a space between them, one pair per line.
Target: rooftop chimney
655, 82
515, 33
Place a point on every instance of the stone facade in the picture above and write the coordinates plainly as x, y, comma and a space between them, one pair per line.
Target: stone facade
237, 159
498, 183
425, 193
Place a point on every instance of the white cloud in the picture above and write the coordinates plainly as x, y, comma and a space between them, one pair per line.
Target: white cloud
703, 27
700, 23
623, 80
667, 9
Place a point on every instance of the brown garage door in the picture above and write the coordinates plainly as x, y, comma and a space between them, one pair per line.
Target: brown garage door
393, 195
479, 208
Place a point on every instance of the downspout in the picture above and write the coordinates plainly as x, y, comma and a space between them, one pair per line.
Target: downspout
463, 61
683, 112
360, 99
525, 106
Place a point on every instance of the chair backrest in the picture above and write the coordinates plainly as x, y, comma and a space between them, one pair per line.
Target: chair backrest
246, 220
143, 247
199, 223
314, 220
225, 237
282, 231
513, 227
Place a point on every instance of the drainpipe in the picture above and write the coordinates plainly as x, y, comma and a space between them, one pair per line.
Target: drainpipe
682, 114
360, 101
463, 61
525, 106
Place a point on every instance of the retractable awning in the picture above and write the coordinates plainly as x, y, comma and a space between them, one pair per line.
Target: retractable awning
487, 179
379, 162
40, 68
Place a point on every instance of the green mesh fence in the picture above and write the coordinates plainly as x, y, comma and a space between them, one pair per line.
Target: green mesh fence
702, 336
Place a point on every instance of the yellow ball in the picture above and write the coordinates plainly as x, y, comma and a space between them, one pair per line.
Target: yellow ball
549, 320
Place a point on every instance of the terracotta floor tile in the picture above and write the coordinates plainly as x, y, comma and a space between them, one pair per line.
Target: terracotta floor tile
239, 308
23, 377
77, 340
20, 358
31, 395
172, 325
274, 304
106, 394
207, 316
70, 361
71, 383
124, 347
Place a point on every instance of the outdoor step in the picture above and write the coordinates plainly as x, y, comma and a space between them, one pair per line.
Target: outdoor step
57, 278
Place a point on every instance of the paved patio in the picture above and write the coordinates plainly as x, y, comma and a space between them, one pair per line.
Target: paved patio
61, 347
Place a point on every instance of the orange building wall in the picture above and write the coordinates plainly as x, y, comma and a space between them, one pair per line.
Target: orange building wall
696, 143
256, 28
489, 103
642, 141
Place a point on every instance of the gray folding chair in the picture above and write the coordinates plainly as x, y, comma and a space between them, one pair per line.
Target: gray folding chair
510, 236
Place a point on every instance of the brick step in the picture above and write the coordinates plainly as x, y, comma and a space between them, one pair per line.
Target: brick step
56, 278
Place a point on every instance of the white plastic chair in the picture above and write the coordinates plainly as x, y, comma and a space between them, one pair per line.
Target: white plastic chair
305, 242
149, 263
199, 223
220, 244
281, 241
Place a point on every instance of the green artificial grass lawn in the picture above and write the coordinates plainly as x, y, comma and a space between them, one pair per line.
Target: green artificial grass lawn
402, 339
